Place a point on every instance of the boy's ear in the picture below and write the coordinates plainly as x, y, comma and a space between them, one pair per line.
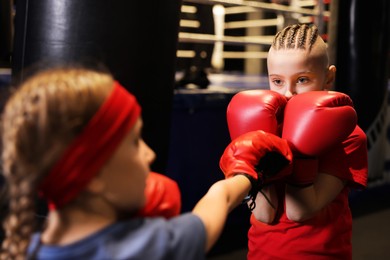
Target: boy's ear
330, 77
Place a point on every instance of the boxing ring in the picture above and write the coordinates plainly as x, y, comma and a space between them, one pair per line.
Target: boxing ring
253, 30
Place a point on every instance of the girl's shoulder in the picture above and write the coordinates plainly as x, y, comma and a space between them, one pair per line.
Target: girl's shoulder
141, 238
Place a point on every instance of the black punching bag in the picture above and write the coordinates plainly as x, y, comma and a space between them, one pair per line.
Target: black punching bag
135, 39
362, 65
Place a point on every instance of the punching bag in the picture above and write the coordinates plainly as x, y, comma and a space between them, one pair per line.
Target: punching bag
135, 39
362, 64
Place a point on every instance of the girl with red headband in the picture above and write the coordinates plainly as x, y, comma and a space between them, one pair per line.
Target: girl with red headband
73, 137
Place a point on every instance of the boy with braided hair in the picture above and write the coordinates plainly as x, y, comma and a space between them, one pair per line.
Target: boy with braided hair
303, 214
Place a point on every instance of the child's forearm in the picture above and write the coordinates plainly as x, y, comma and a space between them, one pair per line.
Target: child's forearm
222, 197
303, 203
266, 204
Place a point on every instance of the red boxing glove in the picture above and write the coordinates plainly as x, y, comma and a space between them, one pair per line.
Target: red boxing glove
256, 154
163, 198
252, 110
314, 122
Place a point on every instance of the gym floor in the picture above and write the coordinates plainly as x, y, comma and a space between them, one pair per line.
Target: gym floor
371, 227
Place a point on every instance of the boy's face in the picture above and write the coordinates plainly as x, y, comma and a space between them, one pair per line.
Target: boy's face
294, 71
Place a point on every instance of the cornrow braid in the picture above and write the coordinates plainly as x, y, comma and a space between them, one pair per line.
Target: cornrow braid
313, 36
303, 37
297, 36
291, 36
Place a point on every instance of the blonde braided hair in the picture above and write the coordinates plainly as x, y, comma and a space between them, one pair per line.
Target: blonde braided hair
297, 36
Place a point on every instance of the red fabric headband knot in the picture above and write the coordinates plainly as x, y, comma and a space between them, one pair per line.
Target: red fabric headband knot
90, 150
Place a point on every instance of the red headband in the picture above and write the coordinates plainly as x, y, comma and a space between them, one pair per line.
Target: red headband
90, 150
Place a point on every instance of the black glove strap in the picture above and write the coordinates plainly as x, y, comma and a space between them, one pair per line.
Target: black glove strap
256, 186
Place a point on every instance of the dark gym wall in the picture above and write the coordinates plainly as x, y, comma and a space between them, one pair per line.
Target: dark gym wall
136, 40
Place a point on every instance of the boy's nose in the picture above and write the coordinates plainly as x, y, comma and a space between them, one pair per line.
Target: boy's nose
290, 91
288, 94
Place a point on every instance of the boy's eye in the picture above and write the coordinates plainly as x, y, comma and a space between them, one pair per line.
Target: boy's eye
303, 80
277, 82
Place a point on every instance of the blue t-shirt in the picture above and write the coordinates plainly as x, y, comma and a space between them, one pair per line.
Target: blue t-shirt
182, 237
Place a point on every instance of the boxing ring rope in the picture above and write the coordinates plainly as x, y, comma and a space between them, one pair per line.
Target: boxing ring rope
233, 40
253, 23
260, 5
